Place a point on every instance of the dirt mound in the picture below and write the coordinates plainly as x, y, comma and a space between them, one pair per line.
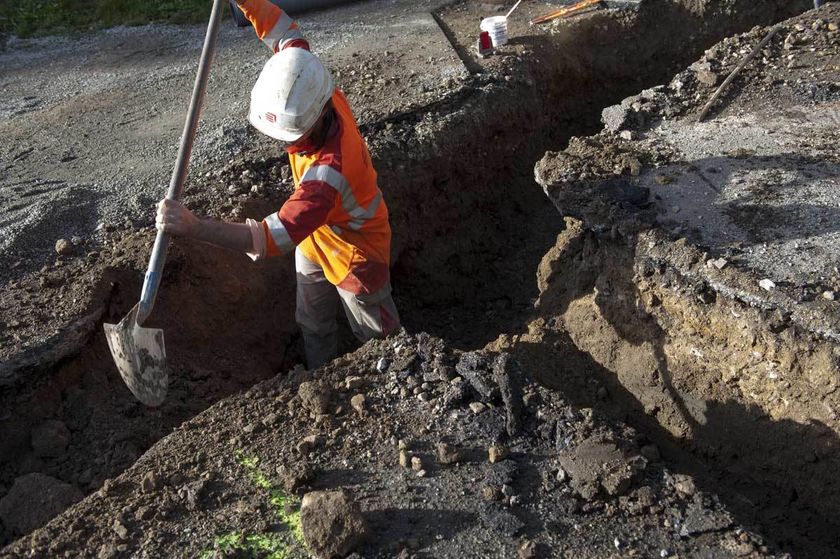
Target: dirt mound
188, 497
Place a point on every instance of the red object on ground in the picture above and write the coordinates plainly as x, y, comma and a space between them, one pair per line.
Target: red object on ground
485, 45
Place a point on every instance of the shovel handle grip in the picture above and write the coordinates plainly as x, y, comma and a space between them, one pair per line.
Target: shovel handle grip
179, 174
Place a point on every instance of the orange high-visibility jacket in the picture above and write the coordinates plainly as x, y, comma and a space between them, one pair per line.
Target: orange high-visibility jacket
336, 216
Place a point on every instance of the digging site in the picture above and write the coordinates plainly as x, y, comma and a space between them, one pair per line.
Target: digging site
619, 307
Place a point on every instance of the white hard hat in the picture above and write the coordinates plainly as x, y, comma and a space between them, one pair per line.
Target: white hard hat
290, 94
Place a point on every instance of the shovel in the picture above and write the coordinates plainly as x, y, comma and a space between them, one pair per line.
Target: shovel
139, 352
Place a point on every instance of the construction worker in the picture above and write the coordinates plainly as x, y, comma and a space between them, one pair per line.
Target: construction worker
336, 221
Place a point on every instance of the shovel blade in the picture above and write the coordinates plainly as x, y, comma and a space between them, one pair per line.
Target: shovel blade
140, 356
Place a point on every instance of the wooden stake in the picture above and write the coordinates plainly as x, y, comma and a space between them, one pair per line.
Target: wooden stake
736, 71
568, 10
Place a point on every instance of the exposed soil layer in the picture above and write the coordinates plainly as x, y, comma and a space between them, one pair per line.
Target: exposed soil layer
562, 481
470, 231
686, 331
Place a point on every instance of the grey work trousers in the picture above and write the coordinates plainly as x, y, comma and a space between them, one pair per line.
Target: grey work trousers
370, 316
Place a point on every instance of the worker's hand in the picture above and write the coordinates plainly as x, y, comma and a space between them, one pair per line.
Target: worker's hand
174, 218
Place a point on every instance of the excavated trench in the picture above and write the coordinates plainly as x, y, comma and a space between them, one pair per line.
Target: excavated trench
471, 231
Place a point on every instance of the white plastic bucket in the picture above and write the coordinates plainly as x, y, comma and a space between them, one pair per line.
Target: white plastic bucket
497, 27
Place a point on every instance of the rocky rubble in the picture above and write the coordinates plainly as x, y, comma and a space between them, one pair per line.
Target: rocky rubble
526, 475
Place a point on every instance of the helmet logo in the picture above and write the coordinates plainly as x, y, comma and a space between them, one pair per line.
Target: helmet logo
271, 117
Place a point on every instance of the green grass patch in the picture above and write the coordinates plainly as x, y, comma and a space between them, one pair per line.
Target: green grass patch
264, 546
27, 18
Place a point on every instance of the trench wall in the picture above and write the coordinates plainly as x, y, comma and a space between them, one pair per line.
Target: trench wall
750, 393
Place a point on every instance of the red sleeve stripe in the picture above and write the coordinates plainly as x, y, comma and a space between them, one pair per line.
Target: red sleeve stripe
307, 209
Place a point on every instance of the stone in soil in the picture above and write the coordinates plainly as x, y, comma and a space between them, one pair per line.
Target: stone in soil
474, 368
332, 523
33, 500
50, 439
448, 454
64, 247
496, 453
594, 466
358, 403
509, 377
315, 397
699, 520
150, 483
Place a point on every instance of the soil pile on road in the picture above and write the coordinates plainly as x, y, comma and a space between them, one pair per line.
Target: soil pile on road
444, 453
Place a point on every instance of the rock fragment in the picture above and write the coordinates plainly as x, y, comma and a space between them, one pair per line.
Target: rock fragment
510, 380
492, 493
315, 397
120, 529
595, 466
332, 523
455, 394
477, 407
150, 482
308, 444
448, 454
719, 263
405, 458
684, 485
527, 550
496, 453
64, 247
359, 404
354, 383
474, 368
767, 284
699, 520
33, 500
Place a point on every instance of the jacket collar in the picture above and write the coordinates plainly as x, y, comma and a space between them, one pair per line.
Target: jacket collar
311, 145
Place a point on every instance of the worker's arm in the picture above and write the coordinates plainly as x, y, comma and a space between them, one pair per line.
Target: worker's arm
174, 218
304, 212
274, 27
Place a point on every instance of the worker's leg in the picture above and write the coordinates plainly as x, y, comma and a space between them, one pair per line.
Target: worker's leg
371, 316
317, 301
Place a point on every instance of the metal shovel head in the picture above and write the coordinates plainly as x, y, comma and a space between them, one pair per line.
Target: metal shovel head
140, 357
